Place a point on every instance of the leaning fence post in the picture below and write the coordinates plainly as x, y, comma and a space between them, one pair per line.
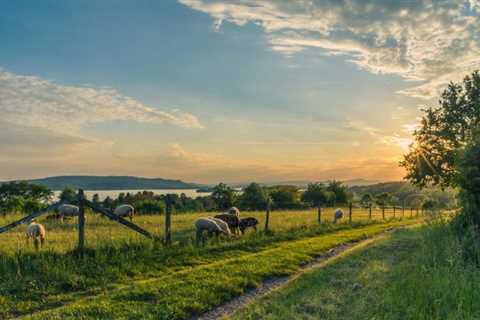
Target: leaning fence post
81, 220
350, 208
168, 220
267, 216
370, 211
319, 213
383, 212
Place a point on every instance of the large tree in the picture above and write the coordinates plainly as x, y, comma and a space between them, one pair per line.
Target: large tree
224, 196
254, 197
316, 194
444, 132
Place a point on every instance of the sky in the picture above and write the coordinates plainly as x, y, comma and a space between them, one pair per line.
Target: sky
231, 91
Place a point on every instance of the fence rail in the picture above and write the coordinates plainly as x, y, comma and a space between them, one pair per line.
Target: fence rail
269, 219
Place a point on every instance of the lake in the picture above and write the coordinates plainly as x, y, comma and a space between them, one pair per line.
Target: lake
192, 193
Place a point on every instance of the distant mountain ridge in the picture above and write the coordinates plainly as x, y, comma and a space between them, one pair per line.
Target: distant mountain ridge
112, 183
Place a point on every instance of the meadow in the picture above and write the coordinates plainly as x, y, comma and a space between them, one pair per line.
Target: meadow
123, 275
415, 273
101, 232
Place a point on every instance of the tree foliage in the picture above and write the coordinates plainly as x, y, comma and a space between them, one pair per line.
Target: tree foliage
223, 196
341, 194
23, 197
316, 194
254, 197
444, 131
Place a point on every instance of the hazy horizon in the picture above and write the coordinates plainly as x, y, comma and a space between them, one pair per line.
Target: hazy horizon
224, 91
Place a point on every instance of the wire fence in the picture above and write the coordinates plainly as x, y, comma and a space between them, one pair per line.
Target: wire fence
99, 227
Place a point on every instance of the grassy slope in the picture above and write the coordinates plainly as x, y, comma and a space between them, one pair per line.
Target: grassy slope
192, 285
414, 274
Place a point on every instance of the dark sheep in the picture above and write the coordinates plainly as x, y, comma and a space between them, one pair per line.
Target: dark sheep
337, 215
249, 222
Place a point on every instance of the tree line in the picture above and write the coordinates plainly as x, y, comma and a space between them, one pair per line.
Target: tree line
24, 197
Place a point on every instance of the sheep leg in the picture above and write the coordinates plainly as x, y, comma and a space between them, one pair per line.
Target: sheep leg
42, 241
36, 243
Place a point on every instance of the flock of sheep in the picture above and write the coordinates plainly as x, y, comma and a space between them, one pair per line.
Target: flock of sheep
224, 223
227, 223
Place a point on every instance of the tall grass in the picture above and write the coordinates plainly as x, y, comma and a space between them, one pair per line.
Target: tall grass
438, 283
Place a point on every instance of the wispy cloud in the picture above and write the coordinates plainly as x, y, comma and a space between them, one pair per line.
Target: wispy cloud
35, 102
425, 40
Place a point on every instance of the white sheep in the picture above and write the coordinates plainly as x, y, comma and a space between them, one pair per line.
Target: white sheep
68, 210
125, 210
233, 211
36, 231
212, 226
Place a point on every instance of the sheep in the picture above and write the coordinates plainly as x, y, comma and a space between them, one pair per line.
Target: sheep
68, 210
249, 222
223, 225
233, 211
211, 225
36, 231
337, 215
125, 210
231, 220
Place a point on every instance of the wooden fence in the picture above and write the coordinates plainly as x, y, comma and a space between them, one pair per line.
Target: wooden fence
352, 212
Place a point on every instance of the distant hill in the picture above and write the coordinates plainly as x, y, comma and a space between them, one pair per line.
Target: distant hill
304, 183
112, 183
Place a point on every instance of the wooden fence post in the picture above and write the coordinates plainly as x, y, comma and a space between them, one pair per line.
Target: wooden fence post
168, 220
370, 211
394, 209
383, 212
403, 210
411, 212
81, 220
319, 213
417, 212
350, 208
267, 216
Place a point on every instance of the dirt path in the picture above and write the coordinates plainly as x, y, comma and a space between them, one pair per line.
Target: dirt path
270, 285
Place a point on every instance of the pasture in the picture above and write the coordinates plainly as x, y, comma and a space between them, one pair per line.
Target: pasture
121, 274
414, 273
101, 232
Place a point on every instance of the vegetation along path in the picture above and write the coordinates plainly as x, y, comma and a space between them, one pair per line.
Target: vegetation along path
412, 273
191, 291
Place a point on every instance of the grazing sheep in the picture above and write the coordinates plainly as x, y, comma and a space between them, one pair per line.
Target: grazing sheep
337, 215
231, 220
36, 231
125, 210
223, 225
249, 222
212, 226
234, 211
68, 210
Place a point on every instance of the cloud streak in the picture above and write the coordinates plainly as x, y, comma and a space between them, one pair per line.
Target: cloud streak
429, 41
35, 102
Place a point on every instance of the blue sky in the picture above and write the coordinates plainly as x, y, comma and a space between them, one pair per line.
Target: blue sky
230, 91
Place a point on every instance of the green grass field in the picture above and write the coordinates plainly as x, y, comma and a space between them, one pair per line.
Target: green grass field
123, 275
411, 274
100, 232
